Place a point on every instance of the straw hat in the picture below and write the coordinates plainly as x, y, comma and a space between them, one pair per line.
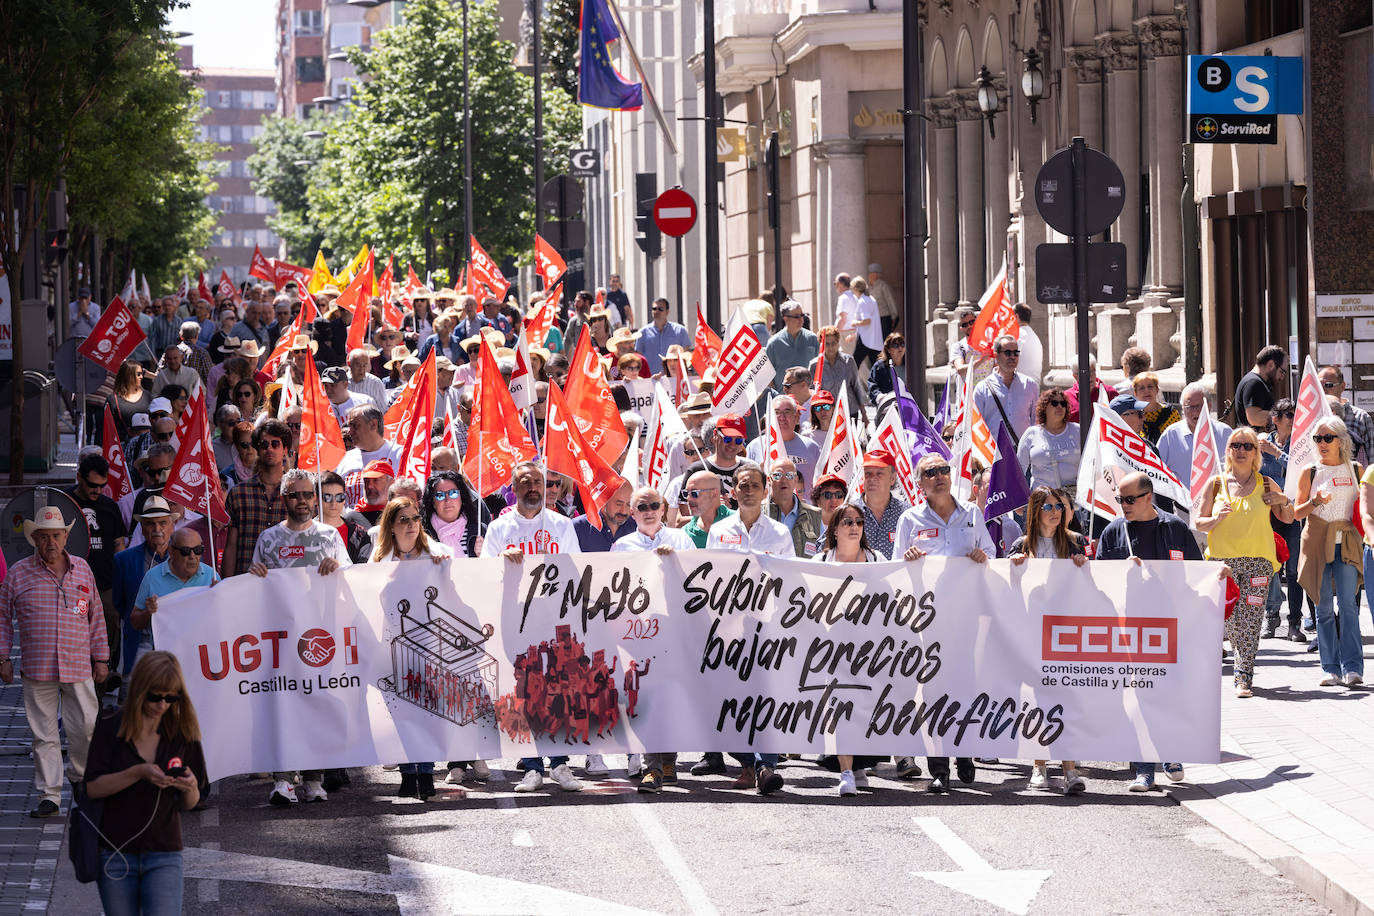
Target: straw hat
676, 350
303, 342
422, 293
249, 349
48, 518
598, 311
398, 355
697, 403
444, 364
329, 289
505, 353
447, 292
230, 346
622, 335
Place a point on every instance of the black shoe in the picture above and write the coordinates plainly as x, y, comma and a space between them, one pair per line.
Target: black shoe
964, 767
424, 782
1296, 635
1270, 631
520, 766
937, 786
769, 781
908, 768
334, 780
46, 808
651, 783
711, 763
1312, 645
410, 788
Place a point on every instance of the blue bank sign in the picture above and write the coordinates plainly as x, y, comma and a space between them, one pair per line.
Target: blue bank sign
1237, 99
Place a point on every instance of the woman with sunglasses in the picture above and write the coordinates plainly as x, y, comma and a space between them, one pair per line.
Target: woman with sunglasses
1049, 451
146, 763
224, 378
245, 454
248, 398
828, 495
886, 369
1331, 554
401, 536
1242, 501
845, 542
129, 396
1274, 445
1047, 516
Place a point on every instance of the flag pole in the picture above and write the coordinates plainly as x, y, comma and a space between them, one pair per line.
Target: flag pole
648, 87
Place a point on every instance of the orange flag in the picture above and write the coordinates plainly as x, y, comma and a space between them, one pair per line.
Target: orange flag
485, 271
305, 316
497, 440
548, 262
392, 315
706, 345
568, 453
592, 404
996, 317
417, 426
399, 414
321, 445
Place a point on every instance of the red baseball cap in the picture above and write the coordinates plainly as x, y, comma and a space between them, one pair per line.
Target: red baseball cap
879, 458
822, 397
379, 468
732, 424
830, 478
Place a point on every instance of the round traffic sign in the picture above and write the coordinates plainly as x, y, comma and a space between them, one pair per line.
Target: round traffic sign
675, 213
1106, 191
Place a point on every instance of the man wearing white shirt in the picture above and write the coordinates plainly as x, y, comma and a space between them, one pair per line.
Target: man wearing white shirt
1007, 394
1176, 443
341, 400
803, 452
1032, 350
529, 528
365, 426
361, 381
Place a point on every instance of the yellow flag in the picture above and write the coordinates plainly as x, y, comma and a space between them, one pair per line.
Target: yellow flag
319, 276
351, 269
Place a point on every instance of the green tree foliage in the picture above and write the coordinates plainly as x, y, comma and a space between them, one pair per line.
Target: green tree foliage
138, 176
391, 162
559, 43
282, 174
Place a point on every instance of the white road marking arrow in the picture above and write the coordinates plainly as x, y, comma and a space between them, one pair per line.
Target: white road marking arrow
1010, 889
419, 887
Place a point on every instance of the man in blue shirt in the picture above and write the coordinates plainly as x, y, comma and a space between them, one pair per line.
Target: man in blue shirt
656, 337
182, 569
615, 523
794, 345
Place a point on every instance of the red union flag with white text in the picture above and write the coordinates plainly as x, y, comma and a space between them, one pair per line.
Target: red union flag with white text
996, 316
117, 481
706, 345
569, 454
591, 402
497, 440
261, 267
416, 437
485, 271
838, 453
742, 373
891, 437
1310, 407
194, 480
1112, 451
114, 336
1206, 463
548, 262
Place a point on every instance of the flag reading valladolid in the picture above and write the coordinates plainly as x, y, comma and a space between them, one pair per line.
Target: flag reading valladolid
484, 658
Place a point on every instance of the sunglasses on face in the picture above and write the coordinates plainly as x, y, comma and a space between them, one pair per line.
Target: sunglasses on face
407, 519
941, 471
1316, 437
190, 551
94, 485
162, 437
301, 495
1057, 403
660, 308
965, 324
1052, 507
1009, 352
649, 507
334, 497
1329, 385
851, 522
732, 440
697, 494
168, 698
158, 472
1250, 446
244, 444
442, 495
265, 444
784, 475
246, 393
551, 485
830, 494
1130, 500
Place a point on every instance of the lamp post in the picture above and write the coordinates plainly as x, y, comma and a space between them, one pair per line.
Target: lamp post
987, 99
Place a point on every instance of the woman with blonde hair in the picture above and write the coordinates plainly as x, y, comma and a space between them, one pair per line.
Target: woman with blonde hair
146, 763
1237, 508
1331, 555
1049, 538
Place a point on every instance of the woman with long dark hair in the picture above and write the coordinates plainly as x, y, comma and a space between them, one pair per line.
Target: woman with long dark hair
886, 369
129, 397
146, 763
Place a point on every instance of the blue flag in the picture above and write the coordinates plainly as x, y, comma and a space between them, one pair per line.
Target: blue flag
599, 85
925, 439
1007, 487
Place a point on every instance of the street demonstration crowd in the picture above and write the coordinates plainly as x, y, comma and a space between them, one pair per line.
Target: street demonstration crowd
84, 624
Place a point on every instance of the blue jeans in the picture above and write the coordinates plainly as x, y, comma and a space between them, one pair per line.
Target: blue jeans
1144, 769
1338, 619
149, 883
537, 763
411, 768
1286, 580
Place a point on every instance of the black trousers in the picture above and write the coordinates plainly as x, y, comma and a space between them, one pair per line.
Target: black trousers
938, 767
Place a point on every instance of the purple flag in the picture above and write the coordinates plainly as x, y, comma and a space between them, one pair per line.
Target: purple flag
1007, 488
925, 439
942, 413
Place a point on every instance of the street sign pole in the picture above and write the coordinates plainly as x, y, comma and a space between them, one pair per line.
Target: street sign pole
681, 307
1080, 284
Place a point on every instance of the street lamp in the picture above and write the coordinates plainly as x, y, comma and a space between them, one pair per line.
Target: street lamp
987, 99
1033, 81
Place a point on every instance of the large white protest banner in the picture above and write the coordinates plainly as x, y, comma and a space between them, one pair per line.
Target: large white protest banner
702, 650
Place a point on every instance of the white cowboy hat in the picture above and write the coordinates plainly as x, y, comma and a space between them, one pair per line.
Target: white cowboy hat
49, 518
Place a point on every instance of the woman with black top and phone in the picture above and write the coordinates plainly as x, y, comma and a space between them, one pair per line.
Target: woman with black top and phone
147, 765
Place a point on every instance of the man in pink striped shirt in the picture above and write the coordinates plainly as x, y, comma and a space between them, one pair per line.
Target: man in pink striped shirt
53, 598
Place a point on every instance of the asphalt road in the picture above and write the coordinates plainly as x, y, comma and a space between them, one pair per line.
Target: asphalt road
994, 847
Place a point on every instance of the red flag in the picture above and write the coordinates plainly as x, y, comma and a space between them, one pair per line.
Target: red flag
114, 336
568, 453
548, 262
321, 445
537, 325
305, 316
284, 272
397, 419
417, 434
413, 286
369, 270
486, 272
996, 317
362, 313
225, 288
450, 437
261, 268
593, 406
117, 482
497, 440
682, 385
203, 289
392, 316
818, 377
706, 345
194, 480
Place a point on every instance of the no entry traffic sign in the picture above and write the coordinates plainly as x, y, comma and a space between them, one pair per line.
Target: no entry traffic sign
675, 213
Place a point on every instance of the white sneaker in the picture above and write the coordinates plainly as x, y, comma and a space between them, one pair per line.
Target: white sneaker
456, 775
847, 786
1040, 778
596, 766
1352, 679
283, 793
314, 791
1073, 783
565, 779
861, 778
480, 770
1331, 680
533, 782
635, 767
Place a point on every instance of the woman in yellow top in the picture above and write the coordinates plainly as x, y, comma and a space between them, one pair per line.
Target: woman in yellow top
1239, 535
1331, 557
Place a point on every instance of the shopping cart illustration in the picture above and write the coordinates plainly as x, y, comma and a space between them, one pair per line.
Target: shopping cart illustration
438, 663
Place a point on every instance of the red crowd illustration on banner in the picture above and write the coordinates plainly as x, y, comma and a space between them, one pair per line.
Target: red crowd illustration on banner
562, 692
439, 664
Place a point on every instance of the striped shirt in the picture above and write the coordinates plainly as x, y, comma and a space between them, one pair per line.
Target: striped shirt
61, 622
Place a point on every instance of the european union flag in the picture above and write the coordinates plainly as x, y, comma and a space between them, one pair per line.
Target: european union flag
599, 84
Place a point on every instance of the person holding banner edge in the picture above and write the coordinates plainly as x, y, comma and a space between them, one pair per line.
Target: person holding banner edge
1239, 534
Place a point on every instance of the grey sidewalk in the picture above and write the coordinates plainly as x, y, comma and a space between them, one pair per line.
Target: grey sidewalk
29, 848
1294, 784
